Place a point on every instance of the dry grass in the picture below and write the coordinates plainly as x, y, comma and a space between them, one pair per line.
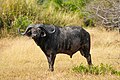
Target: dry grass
21, 59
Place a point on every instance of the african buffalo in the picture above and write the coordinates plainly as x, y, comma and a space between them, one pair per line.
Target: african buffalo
54, 39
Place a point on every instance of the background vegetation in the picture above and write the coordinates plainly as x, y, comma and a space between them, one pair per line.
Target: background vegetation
21, 13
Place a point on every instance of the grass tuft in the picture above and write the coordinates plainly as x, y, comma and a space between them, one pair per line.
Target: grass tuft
102, 69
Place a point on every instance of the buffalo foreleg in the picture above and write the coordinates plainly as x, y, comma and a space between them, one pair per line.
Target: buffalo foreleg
51, 60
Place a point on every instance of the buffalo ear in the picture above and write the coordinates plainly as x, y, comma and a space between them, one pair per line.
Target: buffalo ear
43, 34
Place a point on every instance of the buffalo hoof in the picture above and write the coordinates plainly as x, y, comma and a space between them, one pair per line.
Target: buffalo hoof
51, 69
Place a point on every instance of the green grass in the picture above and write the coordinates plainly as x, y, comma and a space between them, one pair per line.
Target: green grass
102, 69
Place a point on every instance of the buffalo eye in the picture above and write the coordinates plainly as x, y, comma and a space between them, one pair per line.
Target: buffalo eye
43, 34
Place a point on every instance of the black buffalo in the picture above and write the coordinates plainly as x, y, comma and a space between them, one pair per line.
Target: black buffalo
54, 39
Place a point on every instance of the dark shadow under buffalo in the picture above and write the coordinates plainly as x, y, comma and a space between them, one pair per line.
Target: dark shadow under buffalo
53, 40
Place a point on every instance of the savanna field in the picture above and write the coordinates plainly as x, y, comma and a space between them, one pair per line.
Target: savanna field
22, 59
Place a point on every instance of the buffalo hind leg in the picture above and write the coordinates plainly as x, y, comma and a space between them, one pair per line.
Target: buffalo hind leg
86, 53
51, 60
